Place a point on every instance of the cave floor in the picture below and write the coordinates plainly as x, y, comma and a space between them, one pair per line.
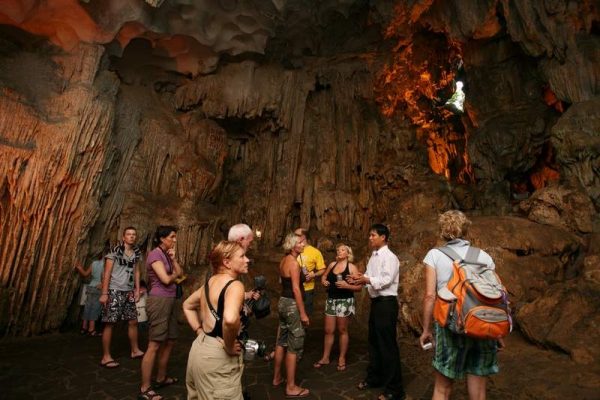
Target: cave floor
65, 366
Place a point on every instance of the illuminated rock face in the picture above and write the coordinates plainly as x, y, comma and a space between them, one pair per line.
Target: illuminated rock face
207, 113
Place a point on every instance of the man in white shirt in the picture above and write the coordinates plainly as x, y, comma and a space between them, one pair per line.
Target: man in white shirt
381, 280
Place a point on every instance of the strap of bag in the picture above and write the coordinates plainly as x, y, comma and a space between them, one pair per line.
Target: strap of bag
470, 258
210, 307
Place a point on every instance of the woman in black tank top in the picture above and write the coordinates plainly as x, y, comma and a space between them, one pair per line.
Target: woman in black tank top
213, 312
339, 305
292, 317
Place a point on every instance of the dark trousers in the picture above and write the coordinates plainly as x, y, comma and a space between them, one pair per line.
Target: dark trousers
384, 358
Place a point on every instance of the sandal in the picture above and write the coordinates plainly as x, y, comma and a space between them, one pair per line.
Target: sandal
304, 392
110, 364
319, 364
94, 333
165, 382
341, 367
149, 394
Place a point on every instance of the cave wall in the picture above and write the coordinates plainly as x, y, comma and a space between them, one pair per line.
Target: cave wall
155, 123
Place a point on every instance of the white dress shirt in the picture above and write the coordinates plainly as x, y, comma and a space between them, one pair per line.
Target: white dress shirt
383, 271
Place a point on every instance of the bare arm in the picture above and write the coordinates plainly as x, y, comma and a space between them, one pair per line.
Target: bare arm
191, 309
108, 266
83, 272
348, 286
428, 301
295, 276
234, 298
159, 268
324, 280
136, 277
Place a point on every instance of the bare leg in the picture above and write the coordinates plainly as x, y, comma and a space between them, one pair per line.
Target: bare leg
476, 387
164, 353
91, 326
106, 338
132, 331
290, 367
148, 364
328, 340
443, 387
342, 328
279, 355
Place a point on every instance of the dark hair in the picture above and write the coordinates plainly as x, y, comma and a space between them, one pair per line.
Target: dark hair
381, 230
162, 231
129, 228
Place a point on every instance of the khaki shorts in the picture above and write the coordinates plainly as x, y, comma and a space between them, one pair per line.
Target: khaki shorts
291, 331
162, 317
212, 374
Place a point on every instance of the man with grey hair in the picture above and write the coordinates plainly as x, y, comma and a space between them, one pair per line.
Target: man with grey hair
243, 234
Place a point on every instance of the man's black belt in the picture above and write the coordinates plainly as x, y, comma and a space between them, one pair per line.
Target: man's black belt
383, 298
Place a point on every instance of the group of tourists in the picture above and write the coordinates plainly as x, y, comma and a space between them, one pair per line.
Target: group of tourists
216, 312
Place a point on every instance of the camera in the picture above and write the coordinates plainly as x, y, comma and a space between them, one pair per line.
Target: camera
252, 348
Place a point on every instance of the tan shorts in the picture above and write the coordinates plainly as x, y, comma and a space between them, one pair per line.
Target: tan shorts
212, 374
162, 317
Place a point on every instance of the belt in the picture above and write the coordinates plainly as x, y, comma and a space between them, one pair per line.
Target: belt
383, 298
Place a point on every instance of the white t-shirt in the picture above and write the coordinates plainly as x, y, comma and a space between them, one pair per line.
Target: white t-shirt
443, 264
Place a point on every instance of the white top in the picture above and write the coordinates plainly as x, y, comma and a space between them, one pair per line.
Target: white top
443, 264
383, 270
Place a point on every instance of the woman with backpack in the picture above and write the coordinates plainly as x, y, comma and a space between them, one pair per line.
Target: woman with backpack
455, 354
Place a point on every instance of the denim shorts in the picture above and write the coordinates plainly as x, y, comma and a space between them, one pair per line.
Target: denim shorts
456, 355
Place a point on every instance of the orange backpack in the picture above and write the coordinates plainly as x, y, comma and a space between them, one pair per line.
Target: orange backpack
474, 302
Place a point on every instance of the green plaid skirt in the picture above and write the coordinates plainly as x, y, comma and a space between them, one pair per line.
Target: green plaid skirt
457, 355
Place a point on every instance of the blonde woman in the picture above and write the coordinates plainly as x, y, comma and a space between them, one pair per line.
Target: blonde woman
340, 304
215, 363
292, 318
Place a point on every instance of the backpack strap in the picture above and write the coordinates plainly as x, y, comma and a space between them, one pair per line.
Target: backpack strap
450, 253
470, 258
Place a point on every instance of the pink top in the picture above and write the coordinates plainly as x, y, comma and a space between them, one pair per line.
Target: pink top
155, 286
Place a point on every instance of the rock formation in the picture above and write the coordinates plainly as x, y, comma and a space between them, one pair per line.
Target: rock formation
281, 113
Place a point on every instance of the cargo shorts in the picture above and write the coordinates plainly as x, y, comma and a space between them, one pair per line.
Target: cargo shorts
291, 331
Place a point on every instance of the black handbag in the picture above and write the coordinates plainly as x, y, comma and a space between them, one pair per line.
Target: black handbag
178, 291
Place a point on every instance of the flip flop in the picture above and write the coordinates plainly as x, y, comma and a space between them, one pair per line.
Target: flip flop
169, 380
341, 367
319, 364
137, 356
110, 364
304, 392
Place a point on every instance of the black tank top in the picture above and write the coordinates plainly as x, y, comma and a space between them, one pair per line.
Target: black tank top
335, 292
286, 286
218, 328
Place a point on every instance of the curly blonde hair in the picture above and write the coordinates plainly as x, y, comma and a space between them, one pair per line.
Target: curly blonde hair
453, 224
348, 249
224, 250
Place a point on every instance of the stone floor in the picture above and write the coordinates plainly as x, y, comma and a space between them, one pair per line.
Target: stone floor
65, 366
